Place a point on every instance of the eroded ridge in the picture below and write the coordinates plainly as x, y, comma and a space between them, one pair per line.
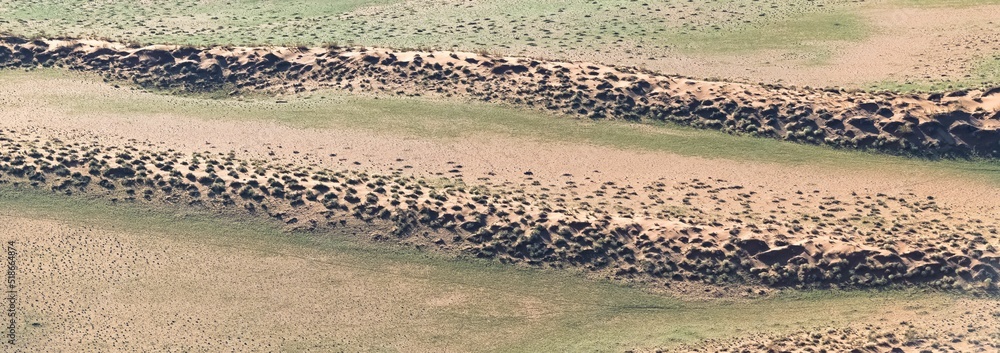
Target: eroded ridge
698, 231
961, 123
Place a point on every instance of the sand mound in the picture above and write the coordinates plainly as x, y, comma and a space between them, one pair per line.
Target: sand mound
962, 123
836, 248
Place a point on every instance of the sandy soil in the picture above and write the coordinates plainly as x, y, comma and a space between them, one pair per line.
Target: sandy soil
682, 223
87, 288
961, 123
93, 287
892, 40
907, 44
496, 159
902, 43
691, 206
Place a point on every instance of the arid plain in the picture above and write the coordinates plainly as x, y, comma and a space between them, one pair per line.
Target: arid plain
502, 176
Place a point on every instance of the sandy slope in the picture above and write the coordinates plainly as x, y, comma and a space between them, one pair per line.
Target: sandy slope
668, 212
960, 123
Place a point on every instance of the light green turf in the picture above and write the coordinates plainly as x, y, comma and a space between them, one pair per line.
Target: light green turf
808, 34
985, 75
519, 26
631, 32
945, 3
441, 119
182, 21
577, 314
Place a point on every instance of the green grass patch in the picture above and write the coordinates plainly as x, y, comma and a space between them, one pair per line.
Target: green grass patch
192, 22
986, 74
945, 3
809, 32
547, 28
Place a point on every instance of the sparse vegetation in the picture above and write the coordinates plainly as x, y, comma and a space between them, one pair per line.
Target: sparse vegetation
452, 120
385, 294
500, 175
809, 34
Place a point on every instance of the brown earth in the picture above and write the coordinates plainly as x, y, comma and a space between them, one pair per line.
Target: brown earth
971, 332
932, 224
704, 230
106, 285
961, 123
670, 221
907, 44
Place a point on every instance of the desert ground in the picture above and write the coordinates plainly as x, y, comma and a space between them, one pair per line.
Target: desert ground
502, 175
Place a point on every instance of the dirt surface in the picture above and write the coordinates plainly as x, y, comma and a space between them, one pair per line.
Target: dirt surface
679, 210
961, 123
112, 279
898, 44
635, 216
973, 331
923, 46
682, 225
